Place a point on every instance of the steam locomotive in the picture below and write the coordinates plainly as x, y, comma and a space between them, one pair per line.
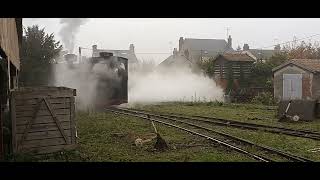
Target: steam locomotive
111, 76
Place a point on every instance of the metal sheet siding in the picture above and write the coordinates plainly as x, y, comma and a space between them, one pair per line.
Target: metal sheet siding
9, 40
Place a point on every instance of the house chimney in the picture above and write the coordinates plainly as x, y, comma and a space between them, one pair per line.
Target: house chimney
277, 47
175, 52
229, 42
180, 44
94, 47
245, 47
131, 47
94, 50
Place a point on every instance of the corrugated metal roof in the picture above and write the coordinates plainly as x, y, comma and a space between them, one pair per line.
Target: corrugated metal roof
9, 40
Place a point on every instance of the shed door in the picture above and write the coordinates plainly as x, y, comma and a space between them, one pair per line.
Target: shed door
292, 86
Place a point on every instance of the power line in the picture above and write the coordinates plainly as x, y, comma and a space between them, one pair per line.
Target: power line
152, 53
135, 52
223, 51
289, 41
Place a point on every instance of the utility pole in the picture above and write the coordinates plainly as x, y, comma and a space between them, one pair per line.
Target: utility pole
79, 54
260, 54
228, 32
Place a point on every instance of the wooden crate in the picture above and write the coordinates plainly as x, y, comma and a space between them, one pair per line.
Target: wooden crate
318, 109
43, 119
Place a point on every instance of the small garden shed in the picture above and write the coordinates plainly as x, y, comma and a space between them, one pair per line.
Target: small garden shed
297, 79
231, 69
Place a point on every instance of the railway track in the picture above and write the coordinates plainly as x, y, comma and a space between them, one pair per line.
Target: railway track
232, 142
237, 124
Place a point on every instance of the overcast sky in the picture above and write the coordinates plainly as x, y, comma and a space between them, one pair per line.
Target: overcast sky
162, 35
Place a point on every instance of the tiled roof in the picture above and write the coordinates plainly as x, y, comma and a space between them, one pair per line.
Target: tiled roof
312, 65
205, 44
262, 53
238, 57
175, 60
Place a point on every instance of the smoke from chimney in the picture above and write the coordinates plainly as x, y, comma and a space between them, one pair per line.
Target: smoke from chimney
69, 30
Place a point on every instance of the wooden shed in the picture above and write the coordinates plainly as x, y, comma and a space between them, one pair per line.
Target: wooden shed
233, 66
10, 45
43, 119
297, 79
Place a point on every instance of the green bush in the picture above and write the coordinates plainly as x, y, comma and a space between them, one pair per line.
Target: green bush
265, 98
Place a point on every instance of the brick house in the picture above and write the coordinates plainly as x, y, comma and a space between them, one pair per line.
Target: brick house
196, 49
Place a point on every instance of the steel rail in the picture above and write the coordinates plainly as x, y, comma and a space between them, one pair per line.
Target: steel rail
263, 147
252, 126
238, 149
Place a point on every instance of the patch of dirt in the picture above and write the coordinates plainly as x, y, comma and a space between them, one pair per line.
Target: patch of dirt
131, 137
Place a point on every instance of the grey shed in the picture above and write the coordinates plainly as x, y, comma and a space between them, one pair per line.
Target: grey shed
297, 79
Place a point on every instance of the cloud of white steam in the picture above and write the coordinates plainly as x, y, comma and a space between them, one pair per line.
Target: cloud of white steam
85, 79
79, 79
69, 30
174, 84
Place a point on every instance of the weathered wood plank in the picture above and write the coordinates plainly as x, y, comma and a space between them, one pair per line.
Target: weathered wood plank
42, 107
29, 123
9, 41
50, 149
53, 114
72, 120
42, 88
42, 119
23, 102
318, 109
44, 135
51, 129
44, 94
38, 89
44, 142
42, 127
42, 113
13, 121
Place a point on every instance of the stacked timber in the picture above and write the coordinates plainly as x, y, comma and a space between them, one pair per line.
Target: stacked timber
43, 119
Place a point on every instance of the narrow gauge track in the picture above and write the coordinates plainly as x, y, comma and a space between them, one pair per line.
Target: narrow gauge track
225, 140
237, 124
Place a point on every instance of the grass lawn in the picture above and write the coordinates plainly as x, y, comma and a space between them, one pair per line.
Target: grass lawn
98, 142
248, 113
252, 113
110, 137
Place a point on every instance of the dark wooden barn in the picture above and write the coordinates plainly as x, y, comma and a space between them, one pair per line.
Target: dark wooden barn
232, 68
10, 45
